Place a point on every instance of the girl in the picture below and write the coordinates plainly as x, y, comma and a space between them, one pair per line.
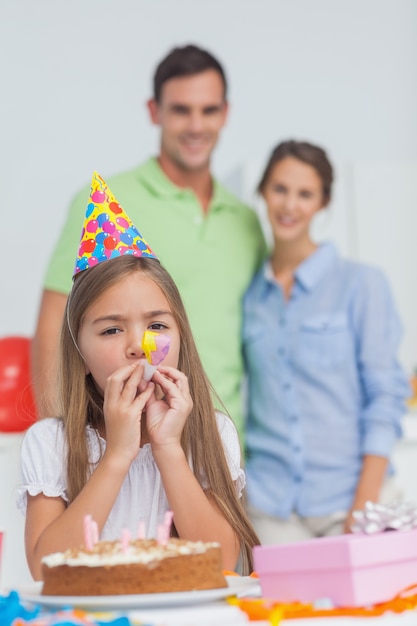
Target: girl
326, 392
126, 451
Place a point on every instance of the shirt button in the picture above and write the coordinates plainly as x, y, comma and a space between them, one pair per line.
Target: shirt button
296, 448
287, 386
297, 479
282, 321
281, 351
294, 418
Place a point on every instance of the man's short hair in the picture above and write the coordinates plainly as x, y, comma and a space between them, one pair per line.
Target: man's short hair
185, 61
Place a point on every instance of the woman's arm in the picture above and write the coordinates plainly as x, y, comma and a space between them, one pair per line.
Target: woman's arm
369, 485
383, 380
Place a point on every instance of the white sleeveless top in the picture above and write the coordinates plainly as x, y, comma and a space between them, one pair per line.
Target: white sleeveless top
141, 498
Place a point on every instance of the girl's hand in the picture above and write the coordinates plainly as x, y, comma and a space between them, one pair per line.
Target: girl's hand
125, 397
165, 418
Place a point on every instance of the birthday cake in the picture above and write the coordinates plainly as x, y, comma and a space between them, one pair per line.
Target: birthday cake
143, 566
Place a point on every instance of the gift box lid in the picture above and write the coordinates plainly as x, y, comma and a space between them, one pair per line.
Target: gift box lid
343, 551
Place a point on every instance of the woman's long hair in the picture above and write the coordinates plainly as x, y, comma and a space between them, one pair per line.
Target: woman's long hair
82, 403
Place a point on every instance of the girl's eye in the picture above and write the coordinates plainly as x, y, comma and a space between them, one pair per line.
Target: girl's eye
158, 326
278, 189
111, 331
306, 194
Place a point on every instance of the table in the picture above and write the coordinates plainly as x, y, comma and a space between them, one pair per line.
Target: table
220, 613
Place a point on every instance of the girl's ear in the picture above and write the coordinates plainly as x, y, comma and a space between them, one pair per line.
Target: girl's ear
87, 369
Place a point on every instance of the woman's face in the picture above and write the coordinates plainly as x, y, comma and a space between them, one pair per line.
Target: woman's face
112, 329
293, 194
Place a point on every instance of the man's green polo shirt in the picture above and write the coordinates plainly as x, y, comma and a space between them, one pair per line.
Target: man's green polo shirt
211, 257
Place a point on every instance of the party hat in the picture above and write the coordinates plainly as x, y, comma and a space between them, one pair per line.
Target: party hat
107, 232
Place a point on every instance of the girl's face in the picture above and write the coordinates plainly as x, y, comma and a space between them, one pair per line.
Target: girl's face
293, 194
112, 329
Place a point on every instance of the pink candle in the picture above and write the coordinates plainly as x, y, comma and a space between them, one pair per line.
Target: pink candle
168, 521
125, 540
165, 528
161, 535
88, 538
94, 532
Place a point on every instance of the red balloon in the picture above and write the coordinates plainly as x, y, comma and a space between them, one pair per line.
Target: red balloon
17, 404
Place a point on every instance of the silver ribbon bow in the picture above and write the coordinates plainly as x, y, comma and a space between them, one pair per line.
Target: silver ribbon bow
377, 518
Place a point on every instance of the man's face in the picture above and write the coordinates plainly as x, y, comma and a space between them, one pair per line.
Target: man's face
191, 113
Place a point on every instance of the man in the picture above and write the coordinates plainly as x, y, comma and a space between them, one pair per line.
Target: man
210, 243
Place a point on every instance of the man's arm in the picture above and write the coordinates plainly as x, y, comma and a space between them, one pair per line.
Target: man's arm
45, 352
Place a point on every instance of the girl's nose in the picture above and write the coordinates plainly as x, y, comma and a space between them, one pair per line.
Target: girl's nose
134, 348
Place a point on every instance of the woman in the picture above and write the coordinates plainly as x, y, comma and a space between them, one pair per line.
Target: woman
326, 391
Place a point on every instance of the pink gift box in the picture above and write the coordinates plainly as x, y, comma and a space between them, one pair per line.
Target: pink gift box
350, 570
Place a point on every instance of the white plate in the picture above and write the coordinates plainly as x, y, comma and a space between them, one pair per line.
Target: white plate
237, 586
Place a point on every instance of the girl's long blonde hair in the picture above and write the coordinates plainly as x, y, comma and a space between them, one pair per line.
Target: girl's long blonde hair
82, 404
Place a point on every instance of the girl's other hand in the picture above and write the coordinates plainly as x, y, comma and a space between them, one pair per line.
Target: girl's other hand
125, 398
165, 418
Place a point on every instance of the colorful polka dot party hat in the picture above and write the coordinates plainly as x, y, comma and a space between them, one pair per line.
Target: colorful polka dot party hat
107, 232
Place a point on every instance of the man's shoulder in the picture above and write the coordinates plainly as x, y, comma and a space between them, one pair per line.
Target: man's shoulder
226, 196
247, 216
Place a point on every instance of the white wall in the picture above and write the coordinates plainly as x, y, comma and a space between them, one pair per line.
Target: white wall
14, 572
76, 75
